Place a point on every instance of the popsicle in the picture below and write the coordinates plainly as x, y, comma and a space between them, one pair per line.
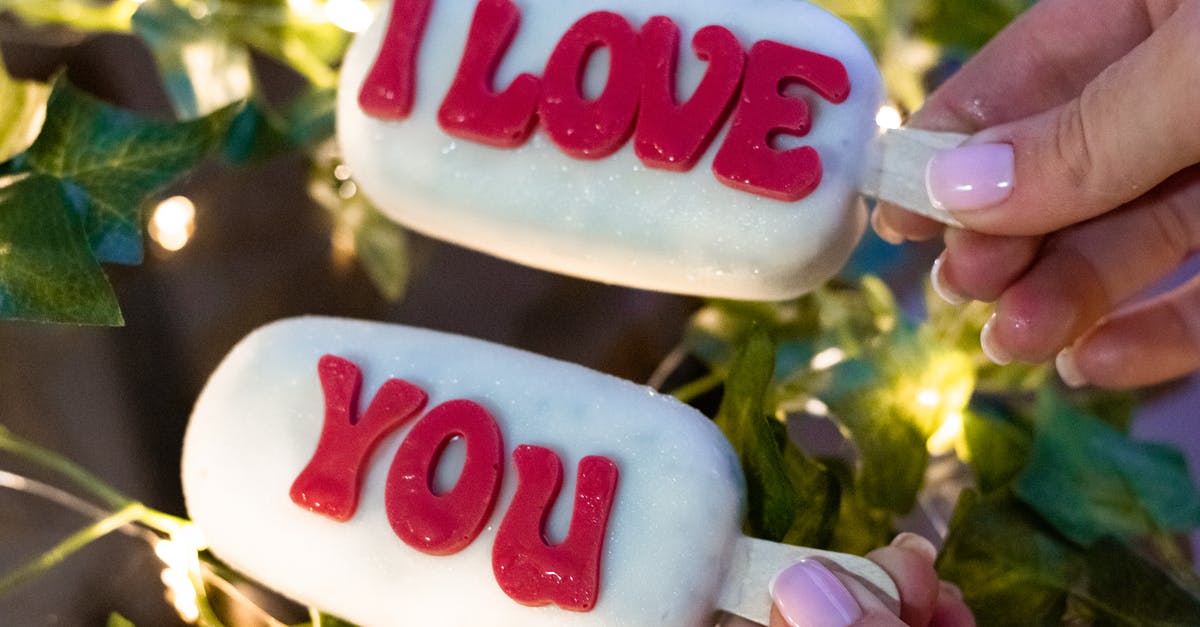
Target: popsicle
714, 148
397, 476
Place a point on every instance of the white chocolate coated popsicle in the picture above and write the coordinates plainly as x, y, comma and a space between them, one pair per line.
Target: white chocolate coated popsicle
616, 219
670, 541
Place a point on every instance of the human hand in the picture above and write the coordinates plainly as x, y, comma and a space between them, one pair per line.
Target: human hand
1083, 191
811, 594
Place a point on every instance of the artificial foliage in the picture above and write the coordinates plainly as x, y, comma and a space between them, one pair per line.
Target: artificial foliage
1063, 519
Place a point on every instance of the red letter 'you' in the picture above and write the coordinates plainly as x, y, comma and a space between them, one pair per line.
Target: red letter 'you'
528, 569
331, 481
472, 109
746, 160
447, 523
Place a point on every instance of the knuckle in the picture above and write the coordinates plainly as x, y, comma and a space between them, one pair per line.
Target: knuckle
1072, 148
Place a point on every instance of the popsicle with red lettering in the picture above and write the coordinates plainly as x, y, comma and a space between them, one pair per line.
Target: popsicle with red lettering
396, 476
714, 148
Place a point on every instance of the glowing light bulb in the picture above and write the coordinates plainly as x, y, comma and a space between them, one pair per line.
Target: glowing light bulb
889, 117
173, 223
828, 358
349, 15
816, 408
929, 398
946, 438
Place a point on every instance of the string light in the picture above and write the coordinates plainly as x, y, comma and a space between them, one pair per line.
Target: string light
173, 223
889, 117
349, 15
828, 358
180, 554
948, 436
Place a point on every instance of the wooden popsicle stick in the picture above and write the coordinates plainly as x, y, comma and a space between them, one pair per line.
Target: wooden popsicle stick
756, 562
897, 169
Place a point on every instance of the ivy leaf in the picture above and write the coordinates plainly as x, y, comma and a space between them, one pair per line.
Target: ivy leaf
47, 270
999, 448
325, 620
116, 159
116, 620
361, 231
202, 70
859, 528
967, 25
260, 132
1004, 557
22, 115
759, 440
1090, 480
1125, 588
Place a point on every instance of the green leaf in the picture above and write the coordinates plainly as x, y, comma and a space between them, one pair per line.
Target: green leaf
260, 132
1125, 588
80, 14
789, 496
859, 528
758, 439
999, 448
1011, 567
325, 620
47, 270
203, 71
116, 620
22, 113
310, 46
1090, 480
967, 25
382, 249
115, 160
361, 231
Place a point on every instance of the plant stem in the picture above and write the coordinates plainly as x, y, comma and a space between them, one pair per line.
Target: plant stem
53, 462
128, 514
689, 391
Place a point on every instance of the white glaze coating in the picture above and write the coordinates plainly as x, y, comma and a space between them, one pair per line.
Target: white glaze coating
614, 220
675, 520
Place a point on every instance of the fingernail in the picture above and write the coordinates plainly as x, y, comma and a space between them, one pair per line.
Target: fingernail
970, 177
939, 285
1068, 369
809, 595
885, 230
948, 589
918, 544
994, 351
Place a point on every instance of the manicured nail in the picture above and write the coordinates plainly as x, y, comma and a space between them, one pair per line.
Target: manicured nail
939, 284
918, 544
945, 588
885, 230
1068, 369
970, 177
809, 595
994, 351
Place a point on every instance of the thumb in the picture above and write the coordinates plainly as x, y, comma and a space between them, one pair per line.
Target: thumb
1130, 129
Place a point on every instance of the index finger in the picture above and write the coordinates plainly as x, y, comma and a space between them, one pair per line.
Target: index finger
1042, 60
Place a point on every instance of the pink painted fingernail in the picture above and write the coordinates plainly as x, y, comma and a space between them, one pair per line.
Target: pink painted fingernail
1068, 369
939, 284
809, 595
970, 177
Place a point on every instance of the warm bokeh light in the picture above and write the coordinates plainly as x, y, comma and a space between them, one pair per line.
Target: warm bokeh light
349, 15
173, 223
948, 436
828, 358
180, 554
889, 117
